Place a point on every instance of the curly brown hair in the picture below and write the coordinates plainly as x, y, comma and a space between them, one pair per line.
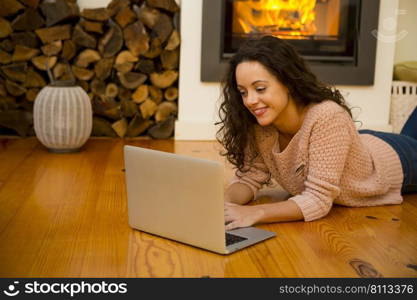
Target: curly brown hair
236, 131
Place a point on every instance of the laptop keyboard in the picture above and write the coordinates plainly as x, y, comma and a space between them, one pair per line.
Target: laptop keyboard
233, 239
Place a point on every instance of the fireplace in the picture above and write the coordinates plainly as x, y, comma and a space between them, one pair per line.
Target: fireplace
334, 36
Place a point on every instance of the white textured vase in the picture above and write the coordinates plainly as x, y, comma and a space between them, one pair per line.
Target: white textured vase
63, 118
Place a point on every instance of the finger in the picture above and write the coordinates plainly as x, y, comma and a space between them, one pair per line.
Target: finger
228, 218
228, 204
232, 225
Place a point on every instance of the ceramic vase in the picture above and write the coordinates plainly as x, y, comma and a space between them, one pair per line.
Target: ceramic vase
63, 118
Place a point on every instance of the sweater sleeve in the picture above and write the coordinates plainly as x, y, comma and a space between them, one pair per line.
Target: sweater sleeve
257, 174
329, 145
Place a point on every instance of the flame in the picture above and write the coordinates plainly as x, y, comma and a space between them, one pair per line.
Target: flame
283, 18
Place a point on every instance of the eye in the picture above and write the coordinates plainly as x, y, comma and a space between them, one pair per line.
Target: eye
260, 89
242, 93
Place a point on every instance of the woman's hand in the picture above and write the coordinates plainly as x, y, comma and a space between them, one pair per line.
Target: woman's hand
241, 215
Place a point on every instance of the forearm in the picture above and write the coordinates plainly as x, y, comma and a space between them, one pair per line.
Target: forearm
279, 212
238, 193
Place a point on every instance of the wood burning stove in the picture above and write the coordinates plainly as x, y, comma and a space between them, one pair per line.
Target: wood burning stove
334, 36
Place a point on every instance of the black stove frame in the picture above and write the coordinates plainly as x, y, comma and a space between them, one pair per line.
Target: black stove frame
359, 69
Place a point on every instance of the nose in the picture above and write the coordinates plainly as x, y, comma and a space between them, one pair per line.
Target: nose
251, 99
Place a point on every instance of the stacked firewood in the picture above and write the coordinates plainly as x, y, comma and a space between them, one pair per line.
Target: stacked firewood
125, 56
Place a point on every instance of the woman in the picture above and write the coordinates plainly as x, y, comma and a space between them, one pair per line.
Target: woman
279, 122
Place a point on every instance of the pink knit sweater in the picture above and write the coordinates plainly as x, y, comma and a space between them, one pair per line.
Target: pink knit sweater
327, 162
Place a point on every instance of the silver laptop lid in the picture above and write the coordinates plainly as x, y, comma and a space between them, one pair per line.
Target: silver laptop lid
176, 197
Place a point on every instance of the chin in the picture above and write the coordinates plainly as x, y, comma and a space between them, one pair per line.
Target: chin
263, 122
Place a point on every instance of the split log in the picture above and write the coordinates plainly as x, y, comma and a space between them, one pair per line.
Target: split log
131, 80
124, 38
102, 127
168, 5
164, 79
155, 49
125, 16
5, 28
165, 109
59, 70
22, 53
148, 16
68, 77
137, 126
18, 120
128, 108
31, 94
95, 14
124, 68
170, 59
120, 127
148, 108
163, 27
52, 34
34, 79
113, 113
124, 61
141, 94
58, 11
146, 66
28, 21
98, 87
163, 130
82, 38
84, 85
103, 68
173, 41
116, 5
5, 58
69, 50
15, 72
31, 3
111, 90
6, 45
107, 107
82, 73
136, 38
86, 57
124, 94
14, 89
171, 93
125, 56
27, 39
52, 49
10, 7
43, 62
155, 94
111, 43
91, 26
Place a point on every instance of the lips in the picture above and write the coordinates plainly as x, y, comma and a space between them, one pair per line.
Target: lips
259, 111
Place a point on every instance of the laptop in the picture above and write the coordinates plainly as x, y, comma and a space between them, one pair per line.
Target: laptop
182, 198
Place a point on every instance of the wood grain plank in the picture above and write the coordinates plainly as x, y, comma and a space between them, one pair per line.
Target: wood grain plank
65, 215
13, 152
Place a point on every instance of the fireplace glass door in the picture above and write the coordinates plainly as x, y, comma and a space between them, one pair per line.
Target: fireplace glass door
335, 37
321, 30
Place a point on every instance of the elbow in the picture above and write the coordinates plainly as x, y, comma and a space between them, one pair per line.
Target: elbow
313, 208
318, 214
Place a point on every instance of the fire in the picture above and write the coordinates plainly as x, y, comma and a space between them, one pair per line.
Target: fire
283, 18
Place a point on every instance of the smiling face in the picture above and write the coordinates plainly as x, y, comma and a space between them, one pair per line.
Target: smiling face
262, 93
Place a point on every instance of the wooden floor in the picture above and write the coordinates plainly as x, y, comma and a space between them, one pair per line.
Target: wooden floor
65, 215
